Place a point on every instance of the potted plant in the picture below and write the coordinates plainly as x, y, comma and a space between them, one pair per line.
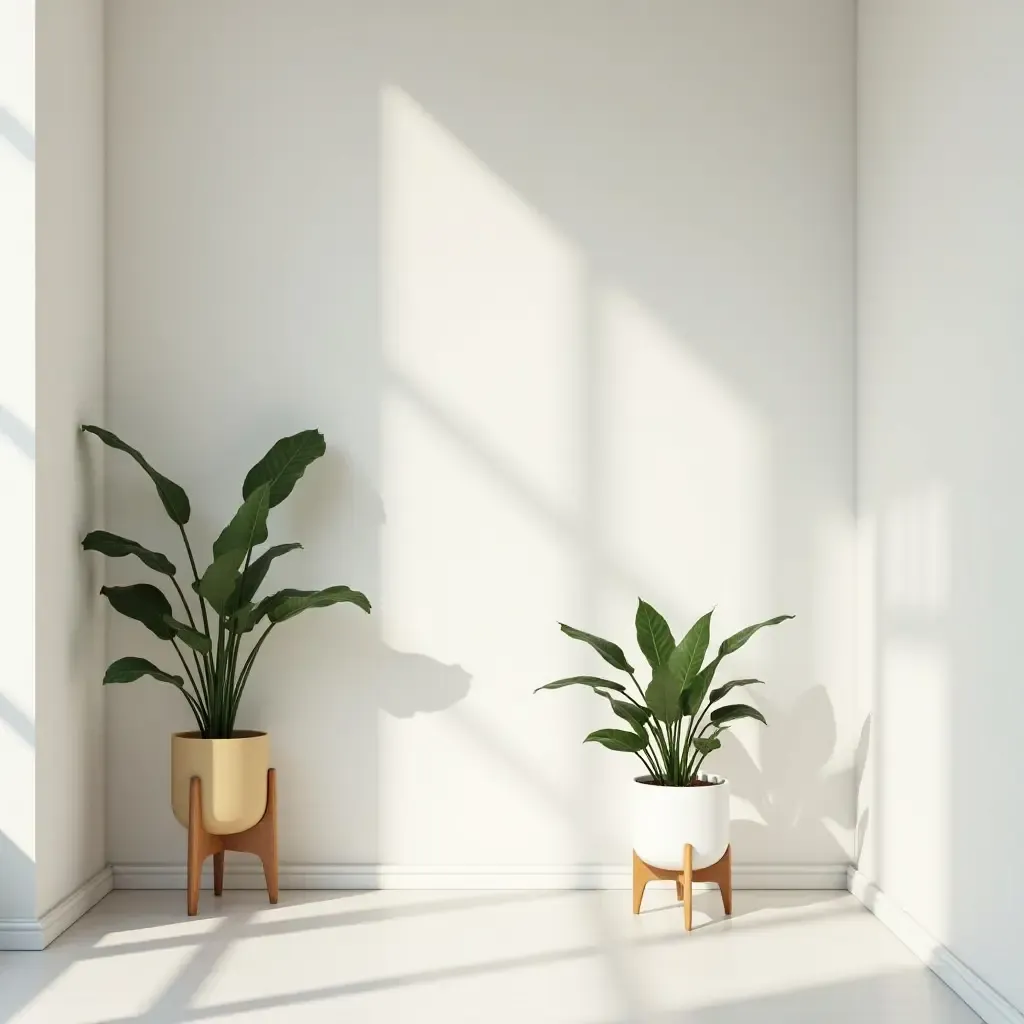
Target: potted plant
675, 722
231, 764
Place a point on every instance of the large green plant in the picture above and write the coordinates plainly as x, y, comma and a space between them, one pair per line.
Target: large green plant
678, 718
226, 590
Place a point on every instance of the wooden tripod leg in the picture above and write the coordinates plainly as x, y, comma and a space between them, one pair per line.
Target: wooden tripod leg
642, 874
200, 844
218, 874
725, 880
261, 839
688, 886
269, 854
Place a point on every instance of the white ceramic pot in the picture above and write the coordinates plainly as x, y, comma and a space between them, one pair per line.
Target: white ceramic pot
666, 818
233, 774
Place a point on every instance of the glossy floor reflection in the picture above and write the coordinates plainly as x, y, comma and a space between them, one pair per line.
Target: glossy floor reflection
474, 956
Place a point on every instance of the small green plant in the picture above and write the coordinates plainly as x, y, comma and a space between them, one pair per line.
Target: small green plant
675, 723
226, 590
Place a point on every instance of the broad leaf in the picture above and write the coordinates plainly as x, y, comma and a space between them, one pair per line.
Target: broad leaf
697, 687
295, 601
737, 640
256, 573
282, 466
220, 580
618, 739
112, 545
653, 635
706, 744
594, 682
685, 661
192, 637
611, 653
173, 497
720, 691
734, 712
663, 694
127, 670
248, 526
244, 618
636, 716
144, 603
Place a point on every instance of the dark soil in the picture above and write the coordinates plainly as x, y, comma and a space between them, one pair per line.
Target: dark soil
697, 783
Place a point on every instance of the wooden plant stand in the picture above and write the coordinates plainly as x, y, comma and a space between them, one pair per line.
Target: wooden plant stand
261, 839
720, 873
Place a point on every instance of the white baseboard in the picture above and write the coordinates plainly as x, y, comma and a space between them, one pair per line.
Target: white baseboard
35, 933
401, 876
984, 1000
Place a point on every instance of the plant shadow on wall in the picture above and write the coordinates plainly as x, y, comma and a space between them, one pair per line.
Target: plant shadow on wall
794, 800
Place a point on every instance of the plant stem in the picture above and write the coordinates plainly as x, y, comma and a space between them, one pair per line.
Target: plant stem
192, 623
648, 765
207, 660
188, 672
243, 676
219, 682
658, 734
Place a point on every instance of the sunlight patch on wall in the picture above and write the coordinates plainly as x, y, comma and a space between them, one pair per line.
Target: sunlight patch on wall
916, 557
17, 427
480, 479
684, 468
915, 726
481, 302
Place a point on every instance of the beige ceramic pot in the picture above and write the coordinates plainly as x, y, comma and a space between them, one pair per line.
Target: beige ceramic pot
233, 774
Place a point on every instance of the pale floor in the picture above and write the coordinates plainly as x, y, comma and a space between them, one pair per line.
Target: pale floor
476, 957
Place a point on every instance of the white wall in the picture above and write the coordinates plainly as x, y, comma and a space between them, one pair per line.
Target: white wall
70, 814
941, 493
569, 289
51, 320
17, 455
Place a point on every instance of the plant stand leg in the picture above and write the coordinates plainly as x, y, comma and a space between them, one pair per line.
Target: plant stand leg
200, 844
723, 871
218, 874
688, 886
642, 874
261, 839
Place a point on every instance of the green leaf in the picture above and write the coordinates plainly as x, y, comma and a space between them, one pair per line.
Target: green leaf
693, 692
636, 716
618, 739
663, 694
720, 691
706, 744
734, 712
144, 603
611, 653
292, 602
175, 500
594, 682
192, 637
685, 661
112, 545
257, 572
243, 619
282, 466
653, 635
127, 670
247, 528
737, 640
220, 580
